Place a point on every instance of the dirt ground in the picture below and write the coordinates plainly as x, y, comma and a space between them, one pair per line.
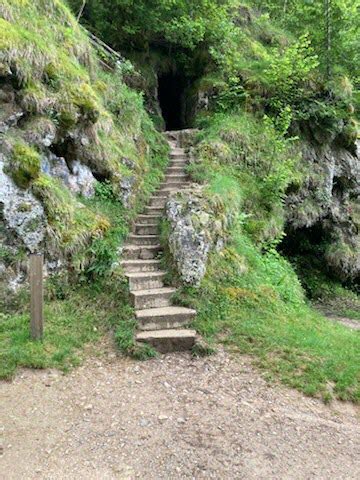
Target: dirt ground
174, 417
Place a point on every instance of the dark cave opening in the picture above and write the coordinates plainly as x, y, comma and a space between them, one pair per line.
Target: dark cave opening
305, 241
305, 249
172, 99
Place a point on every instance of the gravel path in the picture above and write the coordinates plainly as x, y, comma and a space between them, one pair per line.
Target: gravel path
174, 417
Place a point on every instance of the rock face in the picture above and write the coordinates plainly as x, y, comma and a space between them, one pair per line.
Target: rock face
195, 230
329, 201
21, 212
79, 178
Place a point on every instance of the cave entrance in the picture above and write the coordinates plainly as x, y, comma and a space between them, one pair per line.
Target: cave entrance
172, 100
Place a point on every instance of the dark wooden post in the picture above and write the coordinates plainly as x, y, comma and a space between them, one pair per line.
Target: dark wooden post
36, 287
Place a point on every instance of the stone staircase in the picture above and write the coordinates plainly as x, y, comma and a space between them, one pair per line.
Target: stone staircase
160, 323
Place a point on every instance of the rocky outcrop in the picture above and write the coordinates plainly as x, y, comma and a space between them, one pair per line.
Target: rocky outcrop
21, 213
78, 178
329, 199
198, 225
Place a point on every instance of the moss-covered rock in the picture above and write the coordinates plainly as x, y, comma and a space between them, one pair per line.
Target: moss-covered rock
78, 124
199, 224
25, 165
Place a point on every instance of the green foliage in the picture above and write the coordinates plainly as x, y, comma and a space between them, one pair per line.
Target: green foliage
71, 224
104, 191
258, 163
289, 73
178, 22
25, 165
259, 308
75, 316
313, 18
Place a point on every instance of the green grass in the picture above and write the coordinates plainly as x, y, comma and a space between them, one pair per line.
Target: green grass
90, 300
251, 298
258, 308
75, 316
83, 316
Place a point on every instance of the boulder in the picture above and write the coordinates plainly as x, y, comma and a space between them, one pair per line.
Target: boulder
198, 225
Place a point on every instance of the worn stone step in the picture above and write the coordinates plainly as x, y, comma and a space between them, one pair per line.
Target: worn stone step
148, 219
146, 229
178, 163
176, 177
178, 159
175, 170
164, 318
165, 341
131, 266
177, 151
152, 298
159, 194
141, 252
145, 280
174, 188
143, 239
173, 184
154, 211
157, 201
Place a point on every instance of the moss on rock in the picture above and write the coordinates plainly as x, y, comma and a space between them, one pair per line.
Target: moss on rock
25, 165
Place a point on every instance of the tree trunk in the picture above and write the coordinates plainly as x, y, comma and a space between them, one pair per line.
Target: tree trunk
327, 15
81, 11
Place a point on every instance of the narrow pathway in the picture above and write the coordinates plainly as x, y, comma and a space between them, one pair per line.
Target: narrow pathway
160, 323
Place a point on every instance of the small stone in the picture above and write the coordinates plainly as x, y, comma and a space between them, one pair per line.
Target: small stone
162, 418
88, 407
143, 422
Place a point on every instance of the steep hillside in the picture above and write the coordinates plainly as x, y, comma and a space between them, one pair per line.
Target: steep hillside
70, 131
234, 56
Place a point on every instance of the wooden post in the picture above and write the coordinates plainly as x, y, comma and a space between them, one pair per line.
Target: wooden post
36, 287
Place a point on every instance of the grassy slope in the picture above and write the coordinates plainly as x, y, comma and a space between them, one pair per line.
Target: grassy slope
53, 60
60, 87
259, 305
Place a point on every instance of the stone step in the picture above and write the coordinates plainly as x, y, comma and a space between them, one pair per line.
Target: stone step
154, 211
177, 151
152, 298
148, 219
141, 265
143, 240
176, 177
164, 318
178, 163
146, 229
174, 188
157, 201
173, 184
159, 194
175, 170
165, 341
145, 280
141, 252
